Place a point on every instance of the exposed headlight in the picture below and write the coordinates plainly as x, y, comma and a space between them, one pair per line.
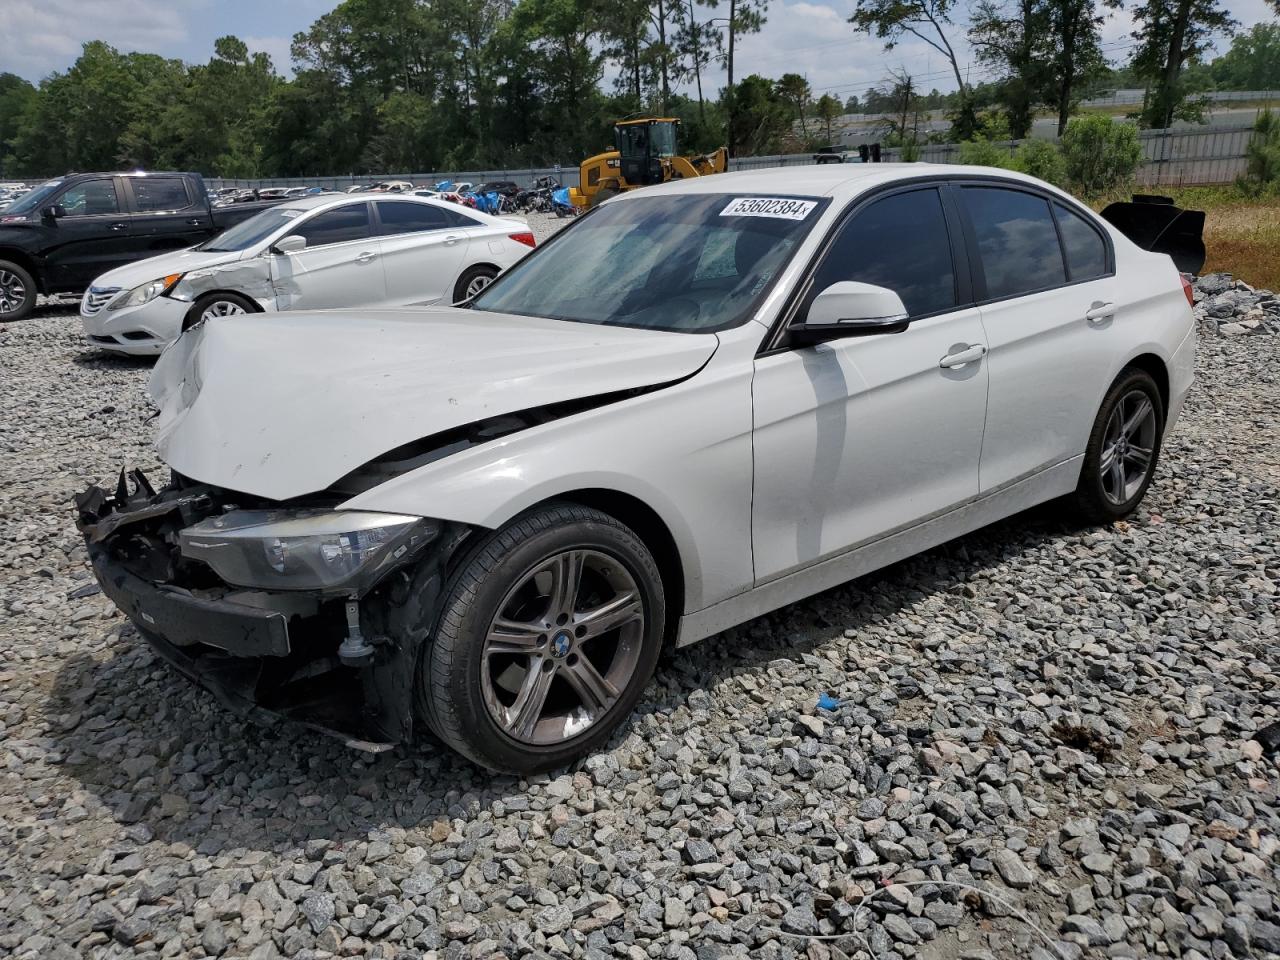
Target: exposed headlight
332, 551
145, 293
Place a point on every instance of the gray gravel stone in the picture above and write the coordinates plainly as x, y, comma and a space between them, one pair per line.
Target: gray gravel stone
1083, 711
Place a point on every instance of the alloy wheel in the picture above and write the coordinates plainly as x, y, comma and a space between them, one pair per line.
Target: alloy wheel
13, 292
563, 646
477, 284
221, 308
1128, 447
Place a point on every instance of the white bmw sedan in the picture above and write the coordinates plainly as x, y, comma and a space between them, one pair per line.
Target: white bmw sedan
699, 402
318, 252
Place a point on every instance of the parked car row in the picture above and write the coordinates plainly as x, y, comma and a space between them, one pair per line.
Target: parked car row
59, 236
318, 252
697, 403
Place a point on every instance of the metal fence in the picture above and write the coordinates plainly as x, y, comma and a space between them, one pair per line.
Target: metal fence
1177, 157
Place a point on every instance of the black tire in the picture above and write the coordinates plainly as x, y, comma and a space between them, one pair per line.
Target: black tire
449, 692
16, 280
1091, 503
210, 299
469, 276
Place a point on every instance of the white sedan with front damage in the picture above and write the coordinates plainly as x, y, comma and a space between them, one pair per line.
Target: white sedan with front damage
311, 253
698, 403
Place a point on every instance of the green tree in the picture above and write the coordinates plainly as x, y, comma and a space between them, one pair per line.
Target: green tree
1074, 41
17, 99
829, 110
795, 90
927, 20
1253, 62
1262, 156
1170, 33
760, 116
1010, 38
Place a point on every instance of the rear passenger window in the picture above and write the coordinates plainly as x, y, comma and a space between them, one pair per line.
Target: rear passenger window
404, 216
336, 226
1017, 242
900, 243
158, 194
1086, 251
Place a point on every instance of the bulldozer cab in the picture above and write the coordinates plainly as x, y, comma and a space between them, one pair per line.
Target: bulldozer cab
642, 145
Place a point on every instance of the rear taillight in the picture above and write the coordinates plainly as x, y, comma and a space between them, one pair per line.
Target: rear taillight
525, 238
1187, 292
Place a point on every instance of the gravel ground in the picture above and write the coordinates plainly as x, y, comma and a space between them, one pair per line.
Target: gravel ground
1063, 719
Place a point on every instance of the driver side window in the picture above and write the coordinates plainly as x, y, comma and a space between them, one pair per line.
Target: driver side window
899, 242
90, 199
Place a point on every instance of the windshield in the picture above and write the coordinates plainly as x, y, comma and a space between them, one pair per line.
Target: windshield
247, 233
690, 262
34, 199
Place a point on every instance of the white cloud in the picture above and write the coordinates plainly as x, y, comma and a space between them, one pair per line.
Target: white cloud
41, 36
277, 48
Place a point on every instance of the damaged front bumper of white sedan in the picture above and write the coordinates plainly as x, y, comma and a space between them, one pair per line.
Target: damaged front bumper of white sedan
285, 612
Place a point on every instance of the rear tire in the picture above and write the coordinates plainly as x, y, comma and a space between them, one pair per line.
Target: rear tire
17, 292
214, 305
1123, 450
473, 281
525, 674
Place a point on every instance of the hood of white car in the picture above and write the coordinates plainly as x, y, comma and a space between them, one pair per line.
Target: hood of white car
179, 261
283, 406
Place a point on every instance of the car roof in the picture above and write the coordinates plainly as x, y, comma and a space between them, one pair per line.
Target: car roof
323, 200
840, 180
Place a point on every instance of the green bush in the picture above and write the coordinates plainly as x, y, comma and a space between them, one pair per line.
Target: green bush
983, 153
1262, 156
1100, 154
910, 152
1041, 158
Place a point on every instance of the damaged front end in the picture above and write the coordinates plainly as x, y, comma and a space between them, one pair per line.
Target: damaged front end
296, 611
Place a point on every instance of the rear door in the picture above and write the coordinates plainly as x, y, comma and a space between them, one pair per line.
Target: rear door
92, 237
1045, 280
859, 437
422, 252
340, 266
168, 213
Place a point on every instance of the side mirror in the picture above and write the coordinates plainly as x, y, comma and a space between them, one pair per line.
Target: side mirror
290, 244
850, 309
53, 211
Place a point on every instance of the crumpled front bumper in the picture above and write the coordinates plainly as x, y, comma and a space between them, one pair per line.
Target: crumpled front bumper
268, 657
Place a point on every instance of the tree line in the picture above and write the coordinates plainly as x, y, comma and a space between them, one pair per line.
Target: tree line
415, 85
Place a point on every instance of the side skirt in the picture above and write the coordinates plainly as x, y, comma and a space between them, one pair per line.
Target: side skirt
1056, 481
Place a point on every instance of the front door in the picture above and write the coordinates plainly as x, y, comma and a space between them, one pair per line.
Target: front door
339, 267
92, 236
859, 437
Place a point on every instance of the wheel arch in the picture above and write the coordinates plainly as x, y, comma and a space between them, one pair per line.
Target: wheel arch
254, 304
1156, 367
24, 260
647, 524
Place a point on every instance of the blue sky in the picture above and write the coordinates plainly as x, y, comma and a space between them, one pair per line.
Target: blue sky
810, 37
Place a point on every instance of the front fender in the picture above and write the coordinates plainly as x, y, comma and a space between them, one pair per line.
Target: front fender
685, 451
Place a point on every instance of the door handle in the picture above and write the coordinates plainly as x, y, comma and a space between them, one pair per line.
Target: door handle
450, 240
196, 222
975, 351
118, 226
1099, 312
365, 257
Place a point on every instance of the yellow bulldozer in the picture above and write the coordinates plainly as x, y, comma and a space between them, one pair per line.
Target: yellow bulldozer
644, 153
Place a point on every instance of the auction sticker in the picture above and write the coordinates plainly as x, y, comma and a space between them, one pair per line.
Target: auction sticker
779, 208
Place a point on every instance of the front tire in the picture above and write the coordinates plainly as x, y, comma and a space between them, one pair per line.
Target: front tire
214, 305
545, 640
1123, 450
17, 292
